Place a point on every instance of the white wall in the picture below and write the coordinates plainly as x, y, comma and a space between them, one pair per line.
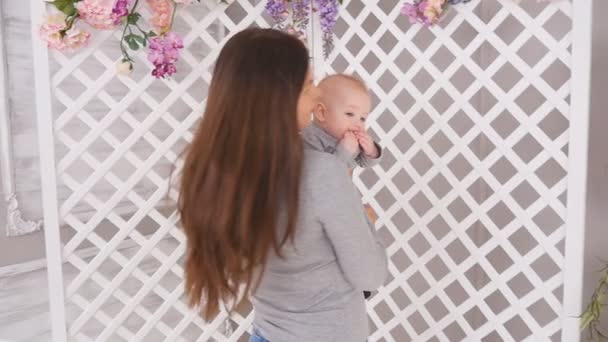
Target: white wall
18, 46
17, 42
596, 235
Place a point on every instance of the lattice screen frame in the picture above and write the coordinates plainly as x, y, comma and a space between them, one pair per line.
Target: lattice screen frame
54, 213
56, 281
423, 99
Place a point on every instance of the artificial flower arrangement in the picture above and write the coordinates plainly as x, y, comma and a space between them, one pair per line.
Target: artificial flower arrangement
592, 316
300, 11
62, 30
428, 12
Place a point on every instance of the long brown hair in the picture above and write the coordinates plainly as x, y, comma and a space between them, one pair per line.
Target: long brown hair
243, 167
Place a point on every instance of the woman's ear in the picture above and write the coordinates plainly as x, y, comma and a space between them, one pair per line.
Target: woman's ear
320, 112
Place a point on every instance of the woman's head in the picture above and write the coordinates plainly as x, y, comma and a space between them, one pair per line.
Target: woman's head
244, 164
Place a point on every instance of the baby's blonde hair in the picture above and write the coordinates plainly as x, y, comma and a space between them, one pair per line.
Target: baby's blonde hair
335, 87
358, 81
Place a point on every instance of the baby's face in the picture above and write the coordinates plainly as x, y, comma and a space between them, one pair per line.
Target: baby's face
347, 112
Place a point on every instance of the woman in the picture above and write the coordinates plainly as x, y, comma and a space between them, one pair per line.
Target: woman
264, 216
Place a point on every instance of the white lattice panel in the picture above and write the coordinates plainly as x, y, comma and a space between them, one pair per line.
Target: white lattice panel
470, 194
116, 139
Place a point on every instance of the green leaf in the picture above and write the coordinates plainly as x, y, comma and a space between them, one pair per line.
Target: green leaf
133, 18
151, 34
65, 6
70, 11
60, 4
139, 39
133, 45
596, 309
586, 319
131, 40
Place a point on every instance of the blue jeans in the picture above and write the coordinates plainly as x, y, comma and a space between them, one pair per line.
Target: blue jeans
256, 337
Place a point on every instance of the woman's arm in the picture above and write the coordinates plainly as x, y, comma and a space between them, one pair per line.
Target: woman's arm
360, 254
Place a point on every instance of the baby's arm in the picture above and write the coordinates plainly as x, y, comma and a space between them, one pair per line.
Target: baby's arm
363, 160
369, 211
348, 150
359, 149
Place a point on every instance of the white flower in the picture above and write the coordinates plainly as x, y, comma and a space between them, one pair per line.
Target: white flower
124, 68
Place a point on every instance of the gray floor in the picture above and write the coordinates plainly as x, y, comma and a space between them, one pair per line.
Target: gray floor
24, 302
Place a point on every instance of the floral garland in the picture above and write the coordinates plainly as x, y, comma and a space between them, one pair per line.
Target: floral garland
430, 12
427, 12
61, 32
280, 11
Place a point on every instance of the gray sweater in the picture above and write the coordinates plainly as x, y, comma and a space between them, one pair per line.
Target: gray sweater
313, 293
317, 139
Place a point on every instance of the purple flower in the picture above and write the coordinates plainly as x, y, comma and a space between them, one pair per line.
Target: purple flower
301, 12
277, 10
411, 11
164, 70
328, 14
415, 12
120, 10
164, 53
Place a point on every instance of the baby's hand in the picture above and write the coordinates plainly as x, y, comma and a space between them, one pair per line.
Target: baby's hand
371, 213
367, 144
350, 142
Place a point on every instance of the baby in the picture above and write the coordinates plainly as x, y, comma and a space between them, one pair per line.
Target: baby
339, 124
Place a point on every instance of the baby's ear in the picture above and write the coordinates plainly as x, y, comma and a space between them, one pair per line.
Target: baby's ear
320, 112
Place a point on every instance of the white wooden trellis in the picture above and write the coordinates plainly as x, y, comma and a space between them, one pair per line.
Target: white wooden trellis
474, 120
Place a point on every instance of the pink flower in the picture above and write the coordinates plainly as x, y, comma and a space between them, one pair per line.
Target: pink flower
433, 10
51, 33
97, 13
162, 11
120, 10
411, 11
416, 12
426, 12
124, 68
164, 53
435, 3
